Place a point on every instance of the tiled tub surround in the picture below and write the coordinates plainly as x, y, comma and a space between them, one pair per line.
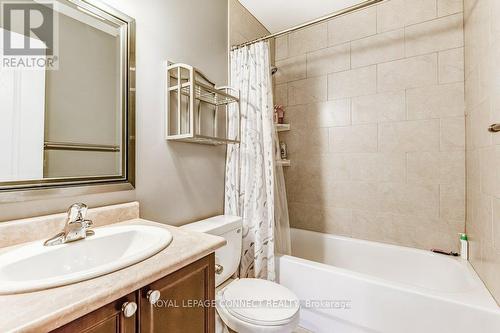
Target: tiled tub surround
482, 91
376, 103
45, 310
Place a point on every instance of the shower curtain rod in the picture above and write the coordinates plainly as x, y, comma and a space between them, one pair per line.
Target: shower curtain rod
316, 21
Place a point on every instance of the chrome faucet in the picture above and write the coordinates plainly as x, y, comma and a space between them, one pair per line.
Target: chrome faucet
76, 227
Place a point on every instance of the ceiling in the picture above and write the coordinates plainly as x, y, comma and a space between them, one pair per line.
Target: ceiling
277, 15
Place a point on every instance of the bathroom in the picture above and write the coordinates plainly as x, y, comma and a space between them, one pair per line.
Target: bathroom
147, 185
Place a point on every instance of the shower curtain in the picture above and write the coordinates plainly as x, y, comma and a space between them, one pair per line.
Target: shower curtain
250, 189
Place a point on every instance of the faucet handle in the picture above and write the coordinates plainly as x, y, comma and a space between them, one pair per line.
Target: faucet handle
77, 212
87, 224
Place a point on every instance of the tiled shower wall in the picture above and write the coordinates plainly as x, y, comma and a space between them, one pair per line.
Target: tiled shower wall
482, 87
376, 104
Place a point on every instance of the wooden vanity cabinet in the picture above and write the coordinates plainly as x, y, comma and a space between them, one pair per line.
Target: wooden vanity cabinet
186, 305
108, 319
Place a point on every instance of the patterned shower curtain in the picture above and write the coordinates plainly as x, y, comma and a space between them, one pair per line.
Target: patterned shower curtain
250, 166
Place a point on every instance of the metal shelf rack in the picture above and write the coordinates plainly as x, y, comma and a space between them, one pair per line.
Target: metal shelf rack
197, 110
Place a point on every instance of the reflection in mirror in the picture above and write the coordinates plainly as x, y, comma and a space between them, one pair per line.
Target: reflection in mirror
68, 119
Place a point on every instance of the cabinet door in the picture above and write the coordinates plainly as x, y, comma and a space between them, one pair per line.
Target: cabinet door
186, 302
108, 319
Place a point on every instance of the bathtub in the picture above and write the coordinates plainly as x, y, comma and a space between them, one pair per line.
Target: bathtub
351, 286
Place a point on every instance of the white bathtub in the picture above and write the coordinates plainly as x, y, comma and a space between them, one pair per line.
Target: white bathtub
351, 286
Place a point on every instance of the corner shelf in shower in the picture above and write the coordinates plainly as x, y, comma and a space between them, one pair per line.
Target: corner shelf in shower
282, 127
285, 163
197, 111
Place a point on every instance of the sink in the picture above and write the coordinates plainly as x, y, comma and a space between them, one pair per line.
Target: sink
34, 266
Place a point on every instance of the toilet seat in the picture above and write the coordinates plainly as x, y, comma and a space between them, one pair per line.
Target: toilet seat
254, 305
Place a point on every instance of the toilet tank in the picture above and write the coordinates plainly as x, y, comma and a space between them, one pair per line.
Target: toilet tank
228, 256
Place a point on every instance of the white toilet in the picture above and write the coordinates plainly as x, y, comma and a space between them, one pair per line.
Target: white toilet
239, 300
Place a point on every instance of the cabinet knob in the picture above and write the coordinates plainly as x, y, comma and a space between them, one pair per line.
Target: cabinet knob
219, 269
129, 309
153, 296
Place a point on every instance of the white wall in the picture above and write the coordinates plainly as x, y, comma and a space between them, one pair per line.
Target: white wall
176, 182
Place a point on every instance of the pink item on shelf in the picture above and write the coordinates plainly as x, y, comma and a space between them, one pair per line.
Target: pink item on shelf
279, 114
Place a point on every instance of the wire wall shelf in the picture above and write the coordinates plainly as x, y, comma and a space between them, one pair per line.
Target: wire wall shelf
197, 110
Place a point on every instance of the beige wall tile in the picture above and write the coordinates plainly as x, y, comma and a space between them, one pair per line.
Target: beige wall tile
447, 7
410, 199
307, 91
305, 192
451, 65
378, 48
356, 82
491, 266
354, 139
376, 167
308, 39
407, 73
331, 113
379, 108
409, 136
478, 119
354, 195
291, 69
480, 216
441, 34
281, 94
329, 60
360, 166
452, 134
396, 14
281, 47
443, 235
321, 218
352, 26
304, 143
452, 201
382, 227
489, 162
436, 167
436, 101
496, 223
297, 116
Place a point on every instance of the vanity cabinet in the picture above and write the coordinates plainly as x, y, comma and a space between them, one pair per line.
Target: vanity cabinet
185, 304
108, 319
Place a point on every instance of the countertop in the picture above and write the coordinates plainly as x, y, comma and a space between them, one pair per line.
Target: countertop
48, 309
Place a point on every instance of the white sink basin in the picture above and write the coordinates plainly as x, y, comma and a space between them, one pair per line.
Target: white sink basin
35, 266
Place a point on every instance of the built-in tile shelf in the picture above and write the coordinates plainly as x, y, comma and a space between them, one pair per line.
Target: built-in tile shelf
284, 163
282, 127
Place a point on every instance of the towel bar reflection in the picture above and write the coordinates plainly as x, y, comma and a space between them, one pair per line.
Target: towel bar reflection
494, 128
79, 147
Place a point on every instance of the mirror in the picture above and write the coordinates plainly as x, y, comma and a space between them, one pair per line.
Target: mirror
67, 94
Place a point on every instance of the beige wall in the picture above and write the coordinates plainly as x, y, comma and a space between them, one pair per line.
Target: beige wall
482, 91
243, 26
375, 102
176, 182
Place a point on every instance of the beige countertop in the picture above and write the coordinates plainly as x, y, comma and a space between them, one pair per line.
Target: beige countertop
46, 310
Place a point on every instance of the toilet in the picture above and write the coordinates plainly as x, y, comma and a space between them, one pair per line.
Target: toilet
246, 305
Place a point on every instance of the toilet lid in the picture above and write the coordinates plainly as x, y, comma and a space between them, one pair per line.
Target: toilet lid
260, 302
